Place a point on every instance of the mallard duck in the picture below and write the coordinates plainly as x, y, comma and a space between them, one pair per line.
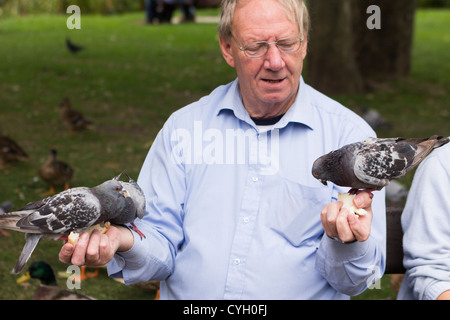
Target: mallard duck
10, 151
55, 173
48, 289
75, 120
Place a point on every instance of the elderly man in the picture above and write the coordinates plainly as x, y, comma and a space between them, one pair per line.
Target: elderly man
233, 211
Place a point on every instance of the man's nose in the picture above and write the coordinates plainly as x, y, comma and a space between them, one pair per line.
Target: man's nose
273, 59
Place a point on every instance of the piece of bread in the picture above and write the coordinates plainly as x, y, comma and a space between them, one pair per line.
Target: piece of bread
347, 199
73, 236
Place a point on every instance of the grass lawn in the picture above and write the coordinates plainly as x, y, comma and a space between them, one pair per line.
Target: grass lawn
128, 80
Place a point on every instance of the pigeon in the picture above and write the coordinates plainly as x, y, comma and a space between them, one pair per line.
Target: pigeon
72, 210
55, 173
73, 48
373, 163
74, 119
396, 192
374, 119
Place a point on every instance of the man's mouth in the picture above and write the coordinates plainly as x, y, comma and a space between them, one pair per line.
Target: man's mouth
273, 80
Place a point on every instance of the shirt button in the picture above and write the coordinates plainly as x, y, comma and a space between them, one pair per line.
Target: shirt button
237, 261
255, 179
246, 219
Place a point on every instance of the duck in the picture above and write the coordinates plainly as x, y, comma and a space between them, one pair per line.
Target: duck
10, 151
55, 173
75, 120
48, 288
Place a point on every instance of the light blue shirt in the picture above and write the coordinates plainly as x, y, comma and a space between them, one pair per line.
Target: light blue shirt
426, 225
233, 211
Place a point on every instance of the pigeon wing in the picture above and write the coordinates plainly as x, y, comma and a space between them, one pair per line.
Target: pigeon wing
73, 209
382, 160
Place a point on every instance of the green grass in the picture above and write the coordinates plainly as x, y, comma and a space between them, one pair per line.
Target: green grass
129, 79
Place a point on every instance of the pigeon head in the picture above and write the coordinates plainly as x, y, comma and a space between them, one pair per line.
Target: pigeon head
133, 192
112, 196
321, 166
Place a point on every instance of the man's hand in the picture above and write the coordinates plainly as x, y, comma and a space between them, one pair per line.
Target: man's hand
98, 249
347, 227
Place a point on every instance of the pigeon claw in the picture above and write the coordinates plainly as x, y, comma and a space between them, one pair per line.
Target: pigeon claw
136, 229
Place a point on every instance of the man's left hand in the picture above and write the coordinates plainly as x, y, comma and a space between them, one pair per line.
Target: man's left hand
347, 227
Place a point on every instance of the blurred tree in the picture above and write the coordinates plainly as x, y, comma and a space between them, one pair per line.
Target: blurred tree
347, 54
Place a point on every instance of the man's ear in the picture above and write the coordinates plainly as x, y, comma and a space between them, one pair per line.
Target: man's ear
225, 46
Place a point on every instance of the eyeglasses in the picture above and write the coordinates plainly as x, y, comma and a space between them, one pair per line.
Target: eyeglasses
259, 48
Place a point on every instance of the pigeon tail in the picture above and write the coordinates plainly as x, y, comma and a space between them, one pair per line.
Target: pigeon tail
30, 244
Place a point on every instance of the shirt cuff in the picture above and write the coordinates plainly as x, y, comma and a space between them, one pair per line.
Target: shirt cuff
131, 259
436, 289
339, 251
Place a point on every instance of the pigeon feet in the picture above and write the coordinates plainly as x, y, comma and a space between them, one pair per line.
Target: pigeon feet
136, 229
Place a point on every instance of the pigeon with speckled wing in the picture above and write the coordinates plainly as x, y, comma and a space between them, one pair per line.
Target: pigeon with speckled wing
371, 164
75, 209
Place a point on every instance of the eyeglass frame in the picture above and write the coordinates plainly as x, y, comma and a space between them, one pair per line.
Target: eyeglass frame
267, 45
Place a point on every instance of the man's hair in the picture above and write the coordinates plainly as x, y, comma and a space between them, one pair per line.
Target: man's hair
296, 10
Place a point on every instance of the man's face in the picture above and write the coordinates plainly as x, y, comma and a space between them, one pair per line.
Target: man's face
269, 83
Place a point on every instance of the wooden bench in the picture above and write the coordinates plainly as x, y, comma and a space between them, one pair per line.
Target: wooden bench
394, 240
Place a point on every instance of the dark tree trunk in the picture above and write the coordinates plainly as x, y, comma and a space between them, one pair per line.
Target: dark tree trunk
385, 52
331, 60
345, 54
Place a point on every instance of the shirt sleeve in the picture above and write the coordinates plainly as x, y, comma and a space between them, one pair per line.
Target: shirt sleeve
163, 182
426, 225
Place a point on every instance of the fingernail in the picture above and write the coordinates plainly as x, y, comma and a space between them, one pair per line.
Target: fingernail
358, 201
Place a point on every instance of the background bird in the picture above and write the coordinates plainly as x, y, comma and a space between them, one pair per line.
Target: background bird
75, 209
73, 119
373, 163
73, 48
48, 288
10, 151
55, 173
374, 119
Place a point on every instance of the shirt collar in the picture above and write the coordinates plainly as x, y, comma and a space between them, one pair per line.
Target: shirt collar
301, 111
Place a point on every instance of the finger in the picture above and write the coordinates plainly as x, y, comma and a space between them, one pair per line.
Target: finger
343, 228
92, 251
363, 199
105, 250
65, 253
360, 226
329, 216
79, 253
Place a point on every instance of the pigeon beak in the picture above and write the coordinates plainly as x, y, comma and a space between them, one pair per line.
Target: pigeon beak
118, 177
125, 193
324, 182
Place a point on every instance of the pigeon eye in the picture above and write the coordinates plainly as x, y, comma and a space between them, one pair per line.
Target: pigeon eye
117, 189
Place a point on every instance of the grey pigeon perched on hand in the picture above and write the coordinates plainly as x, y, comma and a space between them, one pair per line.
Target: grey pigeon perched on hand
72, 210
373, 163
